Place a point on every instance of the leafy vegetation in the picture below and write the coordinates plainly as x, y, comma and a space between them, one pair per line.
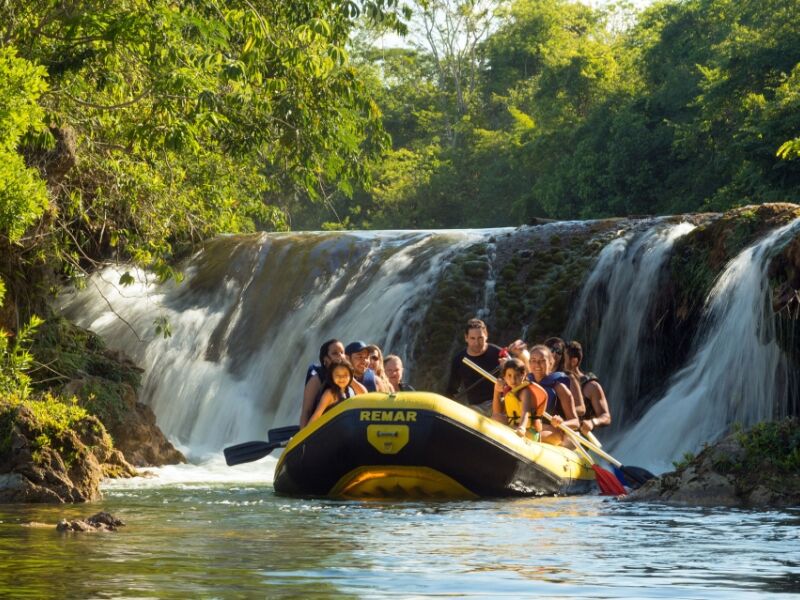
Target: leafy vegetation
578, 112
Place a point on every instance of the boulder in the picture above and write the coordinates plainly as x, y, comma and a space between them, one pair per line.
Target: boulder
759, 468
101, 521
41, 463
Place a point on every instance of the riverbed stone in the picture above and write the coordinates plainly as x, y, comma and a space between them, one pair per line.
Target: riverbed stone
101, 521
759, 468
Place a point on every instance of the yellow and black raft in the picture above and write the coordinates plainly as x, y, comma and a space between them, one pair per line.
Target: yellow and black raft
421, 445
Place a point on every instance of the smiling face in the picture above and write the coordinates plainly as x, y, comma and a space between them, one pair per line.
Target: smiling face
512, 377
335, 352
374, 360
360, 361
541, 362
341, 376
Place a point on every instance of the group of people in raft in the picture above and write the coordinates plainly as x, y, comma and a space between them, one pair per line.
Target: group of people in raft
546, 378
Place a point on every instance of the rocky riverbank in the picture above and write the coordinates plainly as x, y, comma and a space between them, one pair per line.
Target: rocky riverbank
759, 468
79, 422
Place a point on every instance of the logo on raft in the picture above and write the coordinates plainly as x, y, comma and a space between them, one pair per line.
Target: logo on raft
394, 416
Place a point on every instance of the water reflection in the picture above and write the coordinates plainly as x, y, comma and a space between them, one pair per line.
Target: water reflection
233, 540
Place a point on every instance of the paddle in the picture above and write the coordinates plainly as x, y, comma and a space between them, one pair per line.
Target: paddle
250, 451
634, 476
630, 475
280, 434
608, 484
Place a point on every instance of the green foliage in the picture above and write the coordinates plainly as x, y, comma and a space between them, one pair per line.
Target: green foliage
23, 197
170, 122
687, 458
775, 445
16, 359
581, 113
48, 417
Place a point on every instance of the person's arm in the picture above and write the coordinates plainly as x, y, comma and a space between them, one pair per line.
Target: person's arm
597, 397
527, 407
498, 414
567, 406
324, 402
577, 395
309, 395
358, 387
454, 380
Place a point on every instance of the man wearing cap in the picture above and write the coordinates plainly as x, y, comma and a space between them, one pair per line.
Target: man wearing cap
478, 391
358, 355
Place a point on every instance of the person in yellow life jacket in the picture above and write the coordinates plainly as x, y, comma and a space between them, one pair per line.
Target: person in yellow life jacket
518, 402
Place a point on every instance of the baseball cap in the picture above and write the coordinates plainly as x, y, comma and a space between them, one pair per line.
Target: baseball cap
354, 347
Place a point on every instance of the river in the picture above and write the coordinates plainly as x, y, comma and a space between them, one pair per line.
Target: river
213, 532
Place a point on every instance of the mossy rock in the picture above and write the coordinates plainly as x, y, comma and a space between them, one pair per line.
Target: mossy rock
52, 450
72, 352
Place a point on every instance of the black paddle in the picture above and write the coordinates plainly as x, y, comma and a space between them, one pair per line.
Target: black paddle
250, 451
280, 434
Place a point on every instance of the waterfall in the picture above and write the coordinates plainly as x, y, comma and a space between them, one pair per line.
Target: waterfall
737, 373
251, 315
612, 311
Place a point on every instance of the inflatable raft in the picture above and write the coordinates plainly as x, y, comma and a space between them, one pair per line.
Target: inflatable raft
421, 445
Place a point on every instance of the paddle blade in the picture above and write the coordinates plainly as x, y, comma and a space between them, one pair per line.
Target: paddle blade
621, 476
608, 484
282, 434
637, 476
248, 452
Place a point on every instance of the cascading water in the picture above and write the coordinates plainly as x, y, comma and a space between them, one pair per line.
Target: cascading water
736, 375
251, 316
613, 307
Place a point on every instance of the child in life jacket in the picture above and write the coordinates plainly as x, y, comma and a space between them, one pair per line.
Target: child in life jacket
518, 402
339, 385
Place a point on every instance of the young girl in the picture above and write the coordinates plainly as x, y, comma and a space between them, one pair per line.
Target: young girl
523, 402
315, 378
339, 385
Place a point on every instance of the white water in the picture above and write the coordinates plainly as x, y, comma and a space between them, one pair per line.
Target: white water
613, 308
736, 375
251, 317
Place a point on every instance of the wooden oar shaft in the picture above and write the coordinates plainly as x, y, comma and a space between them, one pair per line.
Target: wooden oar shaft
479, 369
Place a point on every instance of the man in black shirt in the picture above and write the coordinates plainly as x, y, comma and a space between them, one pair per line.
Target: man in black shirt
477, 389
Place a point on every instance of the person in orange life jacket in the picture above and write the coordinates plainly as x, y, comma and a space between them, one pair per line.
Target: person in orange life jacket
394, 372
560, 403
478, 391
358, 355
514, 402
338, 386
597, 414
559, 350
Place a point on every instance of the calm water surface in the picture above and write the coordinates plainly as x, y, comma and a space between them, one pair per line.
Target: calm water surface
205, 532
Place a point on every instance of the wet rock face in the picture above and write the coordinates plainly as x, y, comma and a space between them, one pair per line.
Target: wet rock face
756, 469
56, 467
105, 383
132, 425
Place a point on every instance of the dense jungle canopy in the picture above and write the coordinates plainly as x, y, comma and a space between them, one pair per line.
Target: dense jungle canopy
134, 129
